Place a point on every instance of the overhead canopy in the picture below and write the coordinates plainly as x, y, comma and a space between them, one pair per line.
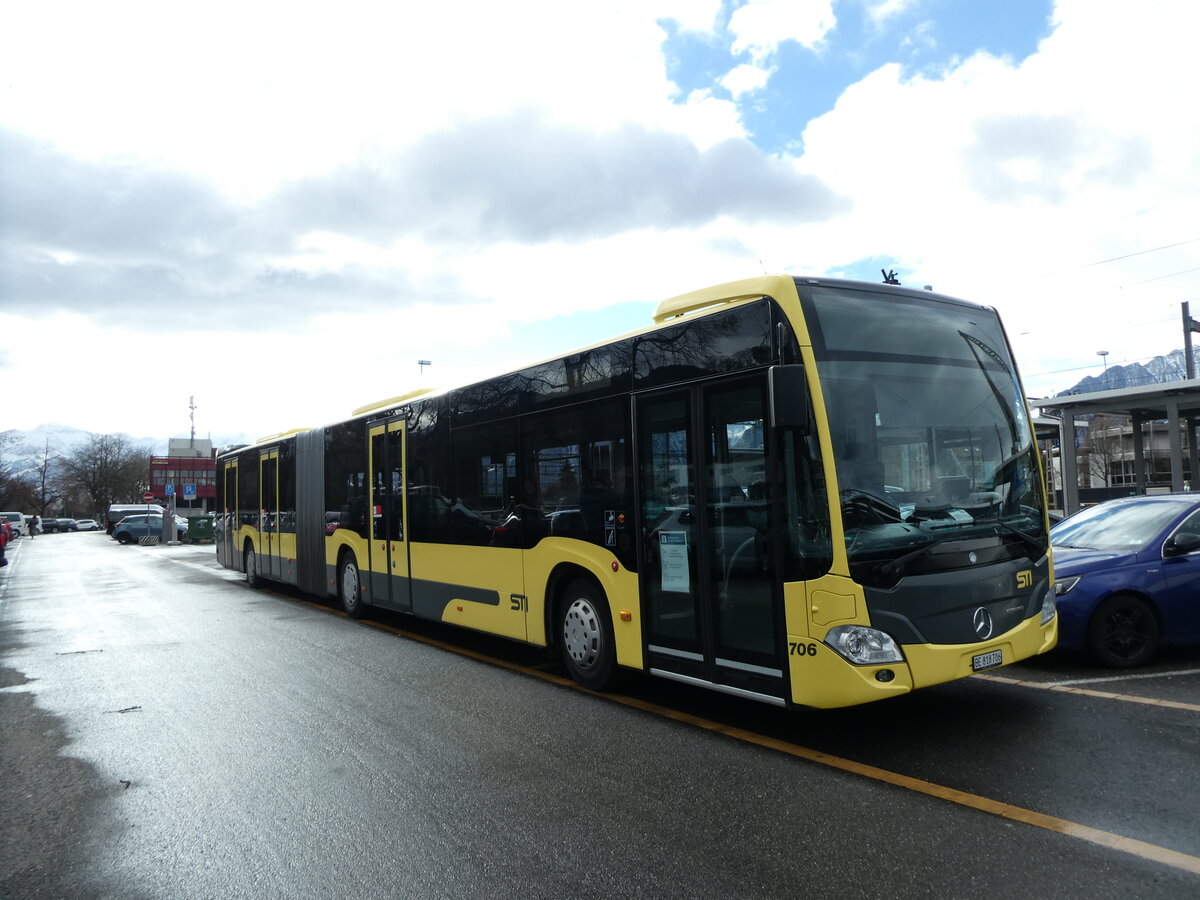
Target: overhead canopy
1174, 402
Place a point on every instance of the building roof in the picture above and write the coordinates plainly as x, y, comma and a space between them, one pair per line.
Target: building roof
1174, 401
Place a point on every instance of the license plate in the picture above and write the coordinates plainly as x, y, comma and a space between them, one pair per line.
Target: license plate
987, 660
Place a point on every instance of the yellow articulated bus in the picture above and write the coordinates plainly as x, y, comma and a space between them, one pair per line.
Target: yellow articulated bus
804, 491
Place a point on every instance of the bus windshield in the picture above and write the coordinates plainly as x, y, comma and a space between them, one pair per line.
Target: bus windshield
931, 440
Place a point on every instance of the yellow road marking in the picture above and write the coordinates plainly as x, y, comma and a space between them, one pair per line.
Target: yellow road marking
1088, 692
1152, 852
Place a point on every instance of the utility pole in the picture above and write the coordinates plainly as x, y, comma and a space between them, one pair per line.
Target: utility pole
1189, 325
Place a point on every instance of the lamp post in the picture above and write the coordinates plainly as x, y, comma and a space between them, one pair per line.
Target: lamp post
1103, 354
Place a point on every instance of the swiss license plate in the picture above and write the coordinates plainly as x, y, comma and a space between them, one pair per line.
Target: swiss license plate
987, 660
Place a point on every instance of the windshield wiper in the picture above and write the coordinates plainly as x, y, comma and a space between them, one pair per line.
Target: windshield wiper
1027, 539
896, 567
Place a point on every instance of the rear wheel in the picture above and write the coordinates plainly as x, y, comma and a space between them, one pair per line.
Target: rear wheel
1123, 632
250, 562
349, 587
585, 635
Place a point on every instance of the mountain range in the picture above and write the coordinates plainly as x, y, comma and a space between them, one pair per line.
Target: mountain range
1161, 369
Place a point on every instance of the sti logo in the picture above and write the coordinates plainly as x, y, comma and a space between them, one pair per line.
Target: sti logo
1024, 580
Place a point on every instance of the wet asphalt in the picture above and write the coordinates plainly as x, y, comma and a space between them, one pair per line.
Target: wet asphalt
167, 732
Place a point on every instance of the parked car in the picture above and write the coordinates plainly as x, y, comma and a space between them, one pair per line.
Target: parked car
132, 528
118, 511
48, 525
17, 521
87, 525
68, 525
1127, 577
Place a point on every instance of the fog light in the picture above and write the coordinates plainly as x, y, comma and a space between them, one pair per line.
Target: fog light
885, 675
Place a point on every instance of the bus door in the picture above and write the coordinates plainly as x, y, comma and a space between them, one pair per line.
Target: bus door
227, 542
712, 610
269, 563
389, 566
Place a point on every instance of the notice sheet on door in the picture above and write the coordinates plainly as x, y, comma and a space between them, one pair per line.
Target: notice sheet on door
672, 551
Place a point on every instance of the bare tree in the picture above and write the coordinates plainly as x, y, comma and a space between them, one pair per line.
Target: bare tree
16, 486
45, 480
1106, 448
107, 469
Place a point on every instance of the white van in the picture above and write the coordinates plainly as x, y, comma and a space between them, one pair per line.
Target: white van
17, 521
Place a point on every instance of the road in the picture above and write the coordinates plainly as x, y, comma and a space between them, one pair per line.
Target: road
169, 732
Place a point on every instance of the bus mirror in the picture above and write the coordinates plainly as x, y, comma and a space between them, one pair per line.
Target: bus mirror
789, 398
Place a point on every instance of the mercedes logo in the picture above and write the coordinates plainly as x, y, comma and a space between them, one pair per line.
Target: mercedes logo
983, 623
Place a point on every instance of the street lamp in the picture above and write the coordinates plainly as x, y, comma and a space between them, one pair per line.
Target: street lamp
1103, 354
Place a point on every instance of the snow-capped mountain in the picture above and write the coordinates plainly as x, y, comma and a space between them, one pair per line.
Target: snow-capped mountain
1161, 369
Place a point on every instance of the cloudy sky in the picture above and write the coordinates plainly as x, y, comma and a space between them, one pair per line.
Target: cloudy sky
279, 208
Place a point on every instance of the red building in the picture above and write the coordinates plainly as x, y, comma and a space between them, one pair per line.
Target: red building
189, 469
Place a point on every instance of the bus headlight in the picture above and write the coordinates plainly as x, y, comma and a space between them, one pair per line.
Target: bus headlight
863, 646
1048, 606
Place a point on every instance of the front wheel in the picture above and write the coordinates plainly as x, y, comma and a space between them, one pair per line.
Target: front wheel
1123, 632
585, 635
124, 538
250, 561
349, 587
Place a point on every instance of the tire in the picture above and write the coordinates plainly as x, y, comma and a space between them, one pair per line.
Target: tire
250, 563
124, 538
1124, 632
585, 635
350, 587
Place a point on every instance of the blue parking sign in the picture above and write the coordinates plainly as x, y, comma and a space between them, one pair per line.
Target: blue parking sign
170, 489
189, 490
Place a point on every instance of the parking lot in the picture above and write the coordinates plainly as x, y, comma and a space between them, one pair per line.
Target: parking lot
171, 732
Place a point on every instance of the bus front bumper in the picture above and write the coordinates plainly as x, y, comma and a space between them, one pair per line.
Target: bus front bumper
822, 679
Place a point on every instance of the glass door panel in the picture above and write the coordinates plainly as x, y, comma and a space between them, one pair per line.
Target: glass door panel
672, 578
269, 561
739, 517
389, 582
709, 571
228, 539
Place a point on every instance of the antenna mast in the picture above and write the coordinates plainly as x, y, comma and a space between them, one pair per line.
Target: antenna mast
192, 407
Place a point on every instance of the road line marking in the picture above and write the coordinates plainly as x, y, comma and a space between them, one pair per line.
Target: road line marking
1164, 855
1103, 695
1138, 677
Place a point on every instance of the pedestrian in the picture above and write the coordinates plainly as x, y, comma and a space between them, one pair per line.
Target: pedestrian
33, 526
5, 537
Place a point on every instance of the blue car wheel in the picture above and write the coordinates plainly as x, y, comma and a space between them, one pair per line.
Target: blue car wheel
1124, 632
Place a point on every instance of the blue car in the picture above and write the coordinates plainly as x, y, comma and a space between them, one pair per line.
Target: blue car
132, 528
1127, 577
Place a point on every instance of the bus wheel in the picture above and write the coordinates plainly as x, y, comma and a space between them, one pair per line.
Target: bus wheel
585, 635
349, 589
250, 562
1123, 632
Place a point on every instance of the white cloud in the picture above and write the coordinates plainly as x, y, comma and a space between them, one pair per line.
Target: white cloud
385, 176
984, 180
761, 26
745, 78
881, 12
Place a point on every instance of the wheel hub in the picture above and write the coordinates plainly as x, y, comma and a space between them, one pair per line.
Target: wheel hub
581, 633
